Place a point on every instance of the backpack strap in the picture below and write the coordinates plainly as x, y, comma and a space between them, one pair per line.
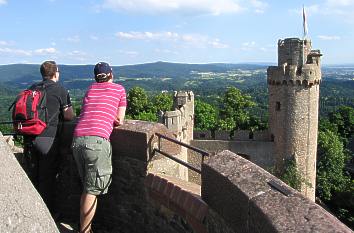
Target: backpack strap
13, 104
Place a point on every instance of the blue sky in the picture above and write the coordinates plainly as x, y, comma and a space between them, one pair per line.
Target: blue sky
189, 31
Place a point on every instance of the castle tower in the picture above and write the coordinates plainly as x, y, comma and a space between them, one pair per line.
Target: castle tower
184, 101
181, 123
293, 108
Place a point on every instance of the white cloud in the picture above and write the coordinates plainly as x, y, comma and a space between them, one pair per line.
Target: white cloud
18, 52
74, 39
6, 43
180, 6
196, 40
218, 45
259, 6
147, 35
45, 51
253, 46
340, 3
326, 37
129, 53
344, 9
28, 53
78, 56
165, 51
311, 9
3, 2
93, 37
77, 53
250, 44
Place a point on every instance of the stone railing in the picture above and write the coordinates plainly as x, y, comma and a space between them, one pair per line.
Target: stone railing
238, 191
21, 207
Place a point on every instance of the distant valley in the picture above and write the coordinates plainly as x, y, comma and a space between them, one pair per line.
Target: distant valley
162, 75
207, 81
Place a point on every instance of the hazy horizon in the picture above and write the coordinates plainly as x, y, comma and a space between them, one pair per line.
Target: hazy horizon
172, 62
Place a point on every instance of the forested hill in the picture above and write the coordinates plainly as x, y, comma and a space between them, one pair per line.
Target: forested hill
23, 74
163, 75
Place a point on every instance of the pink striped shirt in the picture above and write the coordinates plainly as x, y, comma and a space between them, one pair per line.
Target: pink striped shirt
99, 109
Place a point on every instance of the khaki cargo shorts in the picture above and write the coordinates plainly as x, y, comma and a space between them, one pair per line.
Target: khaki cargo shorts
93, 157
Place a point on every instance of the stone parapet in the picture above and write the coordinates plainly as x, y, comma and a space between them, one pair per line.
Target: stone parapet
248, 203
22, 210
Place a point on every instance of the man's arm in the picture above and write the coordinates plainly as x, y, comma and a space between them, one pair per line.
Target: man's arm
68, 113
120, 116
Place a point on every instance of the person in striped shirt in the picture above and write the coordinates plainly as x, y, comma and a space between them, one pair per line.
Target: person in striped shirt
103, 109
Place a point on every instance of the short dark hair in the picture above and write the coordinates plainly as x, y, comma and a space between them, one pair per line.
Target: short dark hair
101, 78
48, 69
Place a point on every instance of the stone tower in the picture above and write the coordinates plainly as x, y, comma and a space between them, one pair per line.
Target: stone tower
293, 108
184, 102
181, 123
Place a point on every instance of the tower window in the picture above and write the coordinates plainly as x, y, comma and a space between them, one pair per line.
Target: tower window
277, 106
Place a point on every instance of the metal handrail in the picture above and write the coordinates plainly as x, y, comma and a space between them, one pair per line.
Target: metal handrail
202, 152
179, 161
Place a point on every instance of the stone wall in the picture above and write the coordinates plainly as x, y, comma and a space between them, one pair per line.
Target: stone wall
235, 194
126, 207
21, 207
258, 152
247, 203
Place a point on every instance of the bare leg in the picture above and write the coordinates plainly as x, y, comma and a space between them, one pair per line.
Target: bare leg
87, 211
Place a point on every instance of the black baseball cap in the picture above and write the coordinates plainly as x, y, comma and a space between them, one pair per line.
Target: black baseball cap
102, 68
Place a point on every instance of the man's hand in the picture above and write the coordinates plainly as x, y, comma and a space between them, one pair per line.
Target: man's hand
120, 117
69, 113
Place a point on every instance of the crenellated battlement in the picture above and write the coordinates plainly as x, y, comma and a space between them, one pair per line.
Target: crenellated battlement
182, 97
307, 75
297, 64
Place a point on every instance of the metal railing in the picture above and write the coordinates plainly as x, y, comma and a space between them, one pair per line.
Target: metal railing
189, 166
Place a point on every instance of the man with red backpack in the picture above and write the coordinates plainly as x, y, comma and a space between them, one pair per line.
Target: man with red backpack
42, 149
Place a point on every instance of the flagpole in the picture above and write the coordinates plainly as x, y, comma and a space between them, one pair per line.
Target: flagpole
304, 25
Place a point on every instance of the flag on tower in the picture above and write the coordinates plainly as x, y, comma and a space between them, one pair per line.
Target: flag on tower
304, 22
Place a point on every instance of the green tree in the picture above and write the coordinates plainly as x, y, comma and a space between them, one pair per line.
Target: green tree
234, 108
137, 102
146, 116
255, 123
330, 165
343, 118
325, 124
162, 102
291, 175
205, 116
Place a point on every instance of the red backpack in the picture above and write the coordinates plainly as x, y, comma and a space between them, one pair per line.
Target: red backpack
29, 112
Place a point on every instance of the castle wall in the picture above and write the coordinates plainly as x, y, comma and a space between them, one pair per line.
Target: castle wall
258, 152
239, 192
235, 193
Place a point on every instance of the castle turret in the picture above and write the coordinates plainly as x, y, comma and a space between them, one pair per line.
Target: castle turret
181, 123
184, 102
293, 108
